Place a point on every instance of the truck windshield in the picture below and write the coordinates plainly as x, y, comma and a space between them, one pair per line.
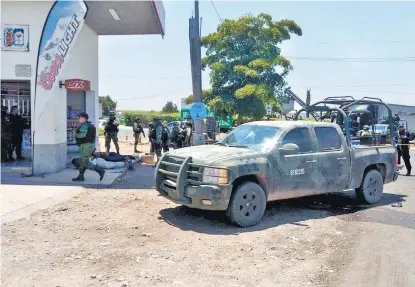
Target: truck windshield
379, 128
259, 138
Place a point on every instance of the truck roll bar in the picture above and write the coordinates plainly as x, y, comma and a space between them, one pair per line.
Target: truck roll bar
327, 109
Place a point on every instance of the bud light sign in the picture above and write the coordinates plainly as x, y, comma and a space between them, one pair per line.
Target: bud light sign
60, 32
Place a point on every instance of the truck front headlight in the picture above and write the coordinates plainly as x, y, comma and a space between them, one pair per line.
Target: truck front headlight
215, 175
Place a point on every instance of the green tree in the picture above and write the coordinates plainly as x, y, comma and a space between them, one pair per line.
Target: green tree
107, 105
169, 108
247, 69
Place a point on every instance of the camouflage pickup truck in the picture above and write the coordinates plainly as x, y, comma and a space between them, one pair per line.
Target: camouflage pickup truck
265, 161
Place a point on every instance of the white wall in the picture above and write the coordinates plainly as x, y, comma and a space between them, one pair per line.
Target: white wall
83, 64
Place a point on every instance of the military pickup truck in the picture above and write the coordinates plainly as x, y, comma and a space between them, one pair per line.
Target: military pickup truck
266, 161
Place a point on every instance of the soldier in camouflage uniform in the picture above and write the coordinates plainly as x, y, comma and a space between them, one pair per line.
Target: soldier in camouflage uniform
157, 137
111, 132
85, 138
6, 136
150, 132
365, 132
137, 129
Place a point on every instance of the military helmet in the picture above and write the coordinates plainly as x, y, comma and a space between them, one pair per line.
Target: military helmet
83, 115
137, 119
4, 109
112, 113
366, 127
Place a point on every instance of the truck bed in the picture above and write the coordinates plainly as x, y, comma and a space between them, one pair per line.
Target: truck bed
383, 157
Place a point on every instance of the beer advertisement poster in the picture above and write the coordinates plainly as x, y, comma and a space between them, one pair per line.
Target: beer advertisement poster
15, 37
60, 32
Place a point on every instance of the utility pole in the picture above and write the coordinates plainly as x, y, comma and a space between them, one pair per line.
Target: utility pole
196, 65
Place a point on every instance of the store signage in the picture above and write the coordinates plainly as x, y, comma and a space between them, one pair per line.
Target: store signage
77, 85
15, 38
23, 70
62, 27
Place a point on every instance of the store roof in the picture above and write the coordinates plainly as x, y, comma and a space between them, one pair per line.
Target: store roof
126, 17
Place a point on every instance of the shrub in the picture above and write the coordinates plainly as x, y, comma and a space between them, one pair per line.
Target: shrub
146, 117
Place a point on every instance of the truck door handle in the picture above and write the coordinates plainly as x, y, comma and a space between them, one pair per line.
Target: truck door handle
342, 158
311, 161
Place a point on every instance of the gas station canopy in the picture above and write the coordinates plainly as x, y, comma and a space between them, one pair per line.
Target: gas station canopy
126, 17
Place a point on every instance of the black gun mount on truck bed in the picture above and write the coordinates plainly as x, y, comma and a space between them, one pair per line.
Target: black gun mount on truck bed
340, 108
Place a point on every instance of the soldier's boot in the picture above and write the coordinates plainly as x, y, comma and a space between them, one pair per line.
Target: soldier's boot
135, 149
408, 173
80, 177
117, 147
100, 171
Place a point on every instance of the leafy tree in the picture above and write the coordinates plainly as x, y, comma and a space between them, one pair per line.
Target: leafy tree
170, 108
107, 105
247, 69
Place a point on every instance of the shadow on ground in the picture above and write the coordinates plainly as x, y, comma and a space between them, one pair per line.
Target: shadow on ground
292, 211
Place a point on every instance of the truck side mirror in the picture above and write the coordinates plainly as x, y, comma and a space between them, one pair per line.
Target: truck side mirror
289, 149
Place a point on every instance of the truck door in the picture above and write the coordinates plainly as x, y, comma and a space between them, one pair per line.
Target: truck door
294, 175
333, 159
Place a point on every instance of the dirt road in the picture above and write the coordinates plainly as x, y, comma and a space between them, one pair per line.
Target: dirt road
129, 236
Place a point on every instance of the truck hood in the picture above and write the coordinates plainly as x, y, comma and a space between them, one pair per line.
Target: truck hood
209, 154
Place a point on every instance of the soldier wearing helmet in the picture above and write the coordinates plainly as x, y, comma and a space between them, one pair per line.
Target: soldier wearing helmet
156, 136
111, 132
138, 130
85, 138
365, 132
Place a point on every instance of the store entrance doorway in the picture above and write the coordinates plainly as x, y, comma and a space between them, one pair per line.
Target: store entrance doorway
75, 103
18, 93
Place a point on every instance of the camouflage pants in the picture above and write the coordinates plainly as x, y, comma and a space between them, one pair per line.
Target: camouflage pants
111, 136
86, 150
157, 150
137, 139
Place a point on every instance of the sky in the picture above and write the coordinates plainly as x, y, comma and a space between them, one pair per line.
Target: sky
144, 72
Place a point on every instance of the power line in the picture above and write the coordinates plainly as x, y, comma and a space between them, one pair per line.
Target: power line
360, 91
153, 95
364, 86
217, 12
354, 41
358, 60
147, 78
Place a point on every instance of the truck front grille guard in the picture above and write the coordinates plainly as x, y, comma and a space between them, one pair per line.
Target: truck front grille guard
174, 173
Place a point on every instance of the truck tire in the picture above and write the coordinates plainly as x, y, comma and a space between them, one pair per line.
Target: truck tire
371, 190
383, 140
247, 205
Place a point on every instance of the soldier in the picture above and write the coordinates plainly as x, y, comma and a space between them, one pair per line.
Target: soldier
150, 132
85, 138
111, 131
157, 137
6, 136
176, 136
365, 132
187, 134
137, 129
403, 149
166, 137
17, 125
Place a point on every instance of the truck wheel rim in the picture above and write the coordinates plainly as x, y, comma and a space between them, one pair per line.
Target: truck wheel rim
248, 205
373, 187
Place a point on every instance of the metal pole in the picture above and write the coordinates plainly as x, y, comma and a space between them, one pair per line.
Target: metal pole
195, 54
